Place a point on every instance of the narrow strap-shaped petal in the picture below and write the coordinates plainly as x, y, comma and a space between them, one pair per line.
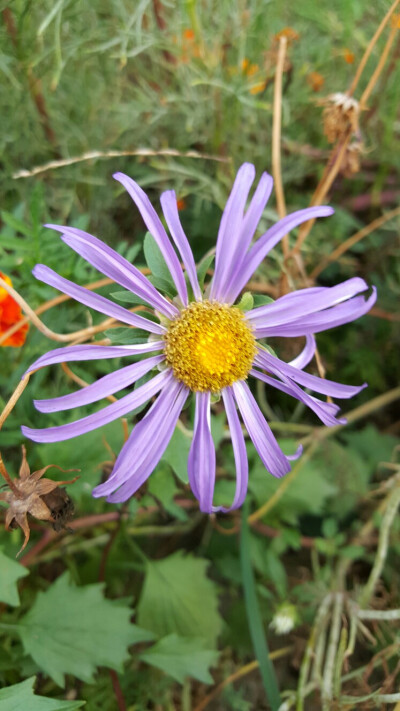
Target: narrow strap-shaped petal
170, 210
319, 385
239, 451
141, 440
201, 462
307, 302
155, 453
249, 225
314, 323
260, 433
117, 268
103, 417
326, 411
105, 386
70, 354
255, 210
146, 445
155, 227
230, 229
265, 243
94, 301
306, 355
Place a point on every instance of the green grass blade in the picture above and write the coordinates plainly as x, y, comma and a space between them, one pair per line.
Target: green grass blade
254, 618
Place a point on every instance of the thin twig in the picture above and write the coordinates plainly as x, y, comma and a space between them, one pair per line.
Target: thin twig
92, 155
49, 305
239, 674
390, 513
351, 241
14, 398
370, 47
61, 337
375, 76
276, 138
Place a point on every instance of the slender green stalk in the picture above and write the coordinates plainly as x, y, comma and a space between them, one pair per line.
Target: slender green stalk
254, 618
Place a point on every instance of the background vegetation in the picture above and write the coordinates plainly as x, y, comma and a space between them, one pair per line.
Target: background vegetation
152, 605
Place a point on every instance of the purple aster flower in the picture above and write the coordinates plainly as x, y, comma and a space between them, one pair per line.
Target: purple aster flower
202, 343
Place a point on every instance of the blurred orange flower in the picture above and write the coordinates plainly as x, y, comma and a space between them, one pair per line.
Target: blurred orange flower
315, 80
188, 35
258, 88
348, 56
190, 48
10, 313
181, 204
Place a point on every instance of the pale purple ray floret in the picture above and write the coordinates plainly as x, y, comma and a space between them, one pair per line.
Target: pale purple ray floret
237, 256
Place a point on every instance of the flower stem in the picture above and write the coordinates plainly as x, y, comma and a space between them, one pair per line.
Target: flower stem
254, 618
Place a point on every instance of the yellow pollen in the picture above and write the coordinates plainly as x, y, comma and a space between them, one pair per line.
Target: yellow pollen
209, 346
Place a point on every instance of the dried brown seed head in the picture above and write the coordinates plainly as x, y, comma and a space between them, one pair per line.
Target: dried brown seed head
341, 113
29, 494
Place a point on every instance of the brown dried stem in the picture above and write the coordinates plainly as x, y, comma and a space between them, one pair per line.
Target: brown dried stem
61, 337
94, 155
370, 47
382, 61
351, 241
276, 138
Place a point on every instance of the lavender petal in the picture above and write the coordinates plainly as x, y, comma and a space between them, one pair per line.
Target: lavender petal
117, 268
326, 387
314, 323
170, 210
239, 451
302, 303
70, 354
94, 301
103, 417
260, 433
230, 229
147, 458
201, 462
105, 386
155, 227
306, 355
326, 411
243, 272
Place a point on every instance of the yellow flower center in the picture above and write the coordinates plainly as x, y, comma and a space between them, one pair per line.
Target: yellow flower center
209, 346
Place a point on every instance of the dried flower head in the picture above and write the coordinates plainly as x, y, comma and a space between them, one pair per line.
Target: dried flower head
341, 113
10, 314
351, 161
36, 496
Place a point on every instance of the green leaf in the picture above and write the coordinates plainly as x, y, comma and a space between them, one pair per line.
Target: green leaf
177, 597
126, 336
21, 697
262, 300
127, 297
163, 485
155, 261
11, 572
203, 266
177, 453
258, 637
180, 657
246, 303
73, 630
